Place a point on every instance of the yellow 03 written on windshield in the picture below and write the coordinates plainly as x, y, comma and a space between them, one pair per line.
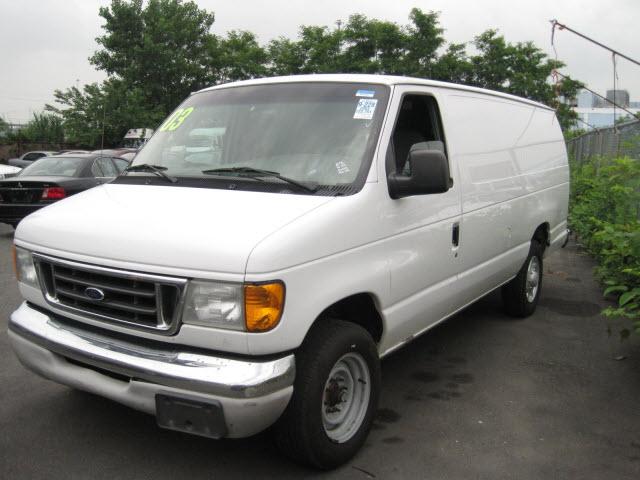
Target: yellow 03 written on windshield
176, 119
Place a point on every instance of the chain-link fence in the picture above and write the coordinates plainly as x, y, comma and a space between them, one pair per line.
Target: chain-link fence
621, 140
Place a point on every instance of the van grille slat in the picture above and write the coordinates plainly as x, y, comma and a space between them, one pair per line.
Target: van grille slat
106, 303
136, 299
105, 285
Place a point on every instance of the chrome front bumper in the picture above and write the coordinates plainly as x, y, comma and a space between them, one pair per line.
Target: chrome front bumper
253, 394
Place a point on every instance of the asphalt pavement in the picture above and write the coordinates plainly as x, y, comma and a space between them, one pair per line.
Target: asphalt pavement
481, 396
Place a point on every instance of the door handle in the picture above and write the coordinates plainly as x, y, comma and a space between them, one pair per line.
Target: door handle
455, 234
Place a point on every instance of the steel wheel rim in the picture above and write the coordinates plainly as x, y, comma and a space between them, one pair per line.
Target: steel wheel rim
345, 398
533, 279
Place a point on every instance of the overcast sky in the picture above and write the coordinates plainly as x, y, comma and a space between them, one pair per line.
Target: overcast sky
44, 44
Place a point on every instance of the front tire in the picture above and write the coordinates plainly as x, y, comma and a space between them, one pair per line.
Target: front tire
335, 396
520, 296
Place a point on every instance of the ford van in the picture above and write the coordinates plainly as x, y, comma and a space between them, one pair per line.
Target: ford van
276, 238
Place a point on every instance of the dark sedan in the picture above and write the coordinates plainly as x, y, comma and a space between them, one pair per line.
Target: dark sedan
51, 179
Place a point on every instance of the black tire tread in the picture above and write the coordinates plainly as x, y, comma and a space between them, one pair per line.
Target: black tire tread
513, 293
290, 435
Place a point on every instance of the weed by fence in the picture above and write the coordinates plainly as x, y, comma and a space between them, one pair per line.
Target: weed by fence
604, 212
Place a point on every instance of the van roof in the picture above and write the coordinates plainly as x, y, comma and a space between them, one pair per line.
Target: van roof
379, 79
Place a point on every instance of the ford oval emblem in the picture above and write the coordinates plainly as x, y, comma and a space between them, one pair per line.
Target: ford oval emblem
93, 293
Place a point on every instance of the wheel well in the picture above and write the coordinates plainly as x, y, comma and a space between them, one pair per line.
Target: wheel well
542, 234
359, 309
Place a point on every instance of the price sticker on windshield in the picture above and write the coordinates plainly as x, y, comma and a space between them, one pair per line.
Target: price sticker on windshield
175, 120
365, 108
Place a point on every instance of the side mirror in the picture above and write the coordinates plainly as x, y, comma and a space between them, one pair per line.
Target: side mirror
429, 174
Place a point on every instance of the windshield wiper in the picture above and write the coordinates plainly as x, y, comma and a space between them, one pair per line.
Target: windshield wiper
157, 169
256, 173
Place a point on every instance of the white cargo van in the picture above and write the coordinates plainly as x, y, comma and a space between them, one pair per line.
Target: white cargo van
259, 282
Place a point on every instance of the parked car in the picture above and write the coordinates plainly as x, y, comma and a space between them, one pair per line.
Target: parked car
51, 179
7, 171
28, 158
115, 152
260, 282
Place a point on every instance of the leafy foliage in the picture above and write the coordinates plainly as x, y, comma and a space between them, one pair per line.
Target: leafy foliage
5, 131
605, 207
44, 128
161, 49
113, 105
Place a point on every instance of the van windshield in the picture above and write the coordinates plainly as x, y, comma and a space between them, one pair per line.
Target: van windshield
319, 134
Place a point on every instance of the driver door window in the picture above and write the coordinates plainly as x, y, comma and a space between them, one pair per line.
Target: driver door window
418, 123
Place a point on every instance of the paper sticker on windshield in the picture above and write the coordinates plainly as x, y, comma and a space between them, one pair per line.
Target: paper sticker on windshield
342, 168
365, 108
365, 93
175, 120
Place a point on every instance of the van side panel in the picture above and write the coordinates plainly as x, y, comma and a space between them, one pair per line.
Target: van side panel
514, 175
542, 158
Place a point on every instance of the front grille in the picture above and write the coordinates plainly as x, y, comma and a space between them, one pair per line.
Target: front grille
138, 300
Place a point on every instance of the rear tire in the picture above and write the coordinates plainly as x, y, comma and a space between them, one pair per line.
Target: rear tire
520, 296
335, 396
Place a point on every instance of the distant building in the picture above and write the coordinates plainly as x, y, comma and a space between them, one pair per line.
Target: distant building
586, 99
620, 97
600, 113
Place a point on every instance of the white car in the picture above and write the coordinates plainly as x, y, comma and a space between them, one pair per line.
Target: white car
261, 282
7, 171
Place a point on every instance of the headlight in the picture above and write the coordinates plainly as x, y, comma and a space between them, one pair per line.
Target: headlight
214, 304
233, 306
24, 267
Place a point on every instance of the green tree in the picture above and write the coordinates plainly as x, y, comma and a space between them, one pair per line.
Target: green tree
161, 49
239, 57
285, 57
5, 131
319, 49
44, 128
423, 40
371, 46
453, 65
112, 106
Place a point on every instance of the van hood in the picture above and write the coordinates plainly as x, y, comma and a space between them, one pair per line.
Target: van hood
179, 227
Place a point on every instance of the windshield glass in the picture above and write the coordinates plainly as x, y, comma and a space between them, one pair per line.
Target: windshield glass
322, 134
53, 166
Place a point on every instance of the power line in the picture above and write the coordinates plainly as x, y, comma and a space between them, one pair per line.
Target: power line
555, 23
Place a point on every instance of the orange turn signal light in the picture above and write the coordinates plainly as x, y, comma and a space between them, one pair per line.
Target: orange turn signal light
263, 305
